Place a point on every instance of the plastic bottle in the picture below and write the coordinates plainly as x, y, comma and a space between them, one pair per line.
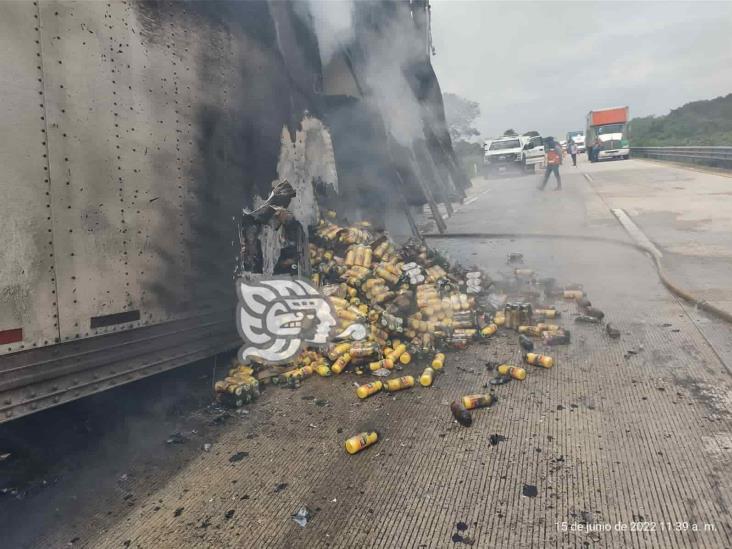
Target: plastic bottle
489, 330
499, 319
536, 359
379, 364
350, 256
339, 350
526, 273
323, 371
547, 313
438, 361
364, 349
399, 384
399, 350
369, 389
534, 331
358, 256
471, 402
360, 441
562, 337
405, 358
340, 364
425, 380
515, 372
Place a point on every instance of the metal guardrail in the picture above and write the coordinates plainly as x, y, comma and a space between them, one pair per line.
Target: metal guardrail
720, 157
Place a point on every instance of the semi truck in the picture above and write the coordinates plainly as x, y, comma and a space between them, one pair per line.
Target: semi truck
135, 133
610, 127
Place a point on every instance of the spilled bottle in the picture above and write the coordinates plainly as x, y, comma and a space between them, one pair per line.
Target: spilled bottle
361, 441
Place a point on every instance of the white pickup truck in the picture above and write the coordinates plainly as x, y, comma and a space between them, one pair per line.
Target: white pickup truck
505, 153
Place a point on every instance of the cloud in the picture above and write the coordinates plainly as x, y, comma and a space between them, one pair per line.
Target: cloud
543, 65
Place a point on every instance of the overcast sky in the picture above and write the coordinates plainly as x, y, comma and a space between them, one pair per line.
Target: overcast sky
543, 65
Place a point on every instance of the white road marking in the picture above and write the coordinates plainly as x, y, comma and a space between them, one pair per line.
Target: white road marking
473, 199
635, 232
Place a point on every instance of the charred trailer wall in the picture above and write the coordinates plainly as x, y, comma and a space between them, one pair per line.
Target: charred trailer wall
139, 132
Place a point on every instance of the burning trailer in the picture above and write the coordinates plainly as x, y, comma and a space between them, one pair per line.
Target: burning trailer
143, 129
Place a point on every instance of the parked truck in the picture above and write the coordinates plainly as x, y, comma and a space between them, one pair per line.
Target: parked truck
135, 133
523, 152
610, 127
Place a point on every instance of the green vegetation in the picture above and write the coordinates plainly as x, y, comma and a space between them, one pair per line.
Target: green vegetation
699, 123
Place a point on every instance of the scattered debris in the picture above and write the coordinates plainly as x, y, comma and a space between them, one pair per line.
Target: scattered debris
461, 526
467, 540
220, 419
586, 319
612, 331
239, 387
207, 447
302, 516
632, 352
461, 414
514, 258
495, 439
229, 514
179, 511
238, 457
281, 486
525, 343
529, 491
560, 337
176, 438
500, 380
594, 313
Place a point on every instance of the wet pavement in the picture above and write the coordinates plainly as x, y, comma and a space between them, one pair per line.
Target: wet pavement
624, 443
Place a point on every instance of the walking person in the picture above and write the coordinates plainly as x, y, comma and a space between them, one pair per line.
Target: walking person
595, 154
572, 149
553, 161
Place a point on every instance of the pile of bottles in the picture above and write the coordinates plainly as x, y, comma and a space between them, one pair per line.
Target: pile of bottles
412, 305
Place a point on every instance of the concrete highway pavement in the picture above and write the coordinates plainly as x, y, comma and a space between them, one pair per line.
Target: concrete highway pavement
632, 434
684, 212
